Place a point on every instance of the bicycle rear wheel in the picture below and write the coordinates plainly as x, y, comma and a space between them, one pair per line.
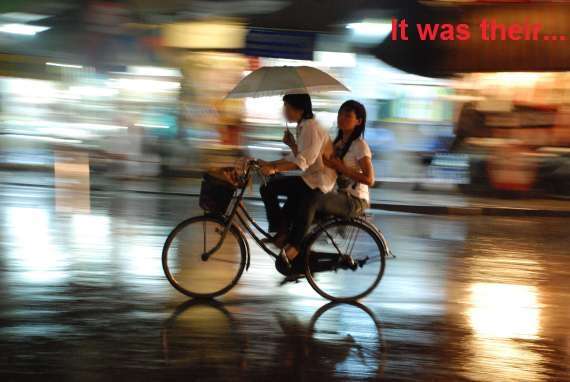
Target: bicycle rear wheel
184, 266
344, 260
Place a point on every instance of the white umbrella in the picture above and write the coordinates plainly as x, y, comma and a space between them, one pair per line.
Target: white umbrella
280, 80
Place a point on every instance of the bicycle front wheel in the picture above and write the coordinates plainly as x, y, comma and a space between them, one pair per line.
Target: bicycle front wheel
344, 260
189, 272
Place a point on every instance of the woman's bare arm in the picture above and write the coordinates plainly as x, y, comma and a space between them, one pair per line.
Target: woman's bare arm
366, 176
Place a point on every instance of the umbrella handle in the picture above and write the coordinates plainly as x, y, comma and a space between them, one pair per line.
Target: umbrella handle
288, 132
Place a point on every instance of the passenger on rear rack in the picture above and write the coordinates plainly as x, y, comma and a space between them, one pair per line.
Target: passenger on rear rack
353, 164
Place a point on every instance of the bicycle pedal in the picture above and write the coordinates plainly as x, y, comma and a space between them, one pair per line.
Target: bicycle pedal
363, 261
296, 278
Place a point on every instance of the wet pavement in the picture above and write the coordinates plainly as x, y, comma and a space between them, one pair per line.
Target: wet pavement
83, 297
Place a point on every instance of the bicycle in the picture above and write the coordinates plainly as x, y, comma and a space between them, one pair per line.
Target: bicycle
205, 256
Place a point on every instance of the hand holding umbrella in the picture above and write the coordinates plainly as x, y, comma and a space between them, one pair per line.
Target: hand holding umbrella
289, 140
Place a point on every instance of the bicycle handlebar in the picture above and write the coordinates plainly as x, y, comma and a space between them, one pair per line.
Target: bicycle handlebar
254, 165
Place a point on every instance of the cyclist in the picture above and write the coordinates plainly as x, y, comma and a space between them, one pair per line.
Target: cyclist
352, 162
307, 151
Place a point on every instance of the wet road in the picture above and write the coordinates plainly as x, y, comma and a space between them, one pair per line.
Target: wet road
83, 297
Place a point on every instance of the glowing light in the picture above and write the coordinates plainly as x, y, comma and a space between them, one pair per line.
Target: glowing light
152, 126
90, 230
146, 260
64, 65
335, 59
97, 126
22, 17
370, 29
264, 108
30, 89
140, 85
517, 78
504, 318
37, 260
92, 91
44, 139
154, 71
22, 29
264, 148
504, 310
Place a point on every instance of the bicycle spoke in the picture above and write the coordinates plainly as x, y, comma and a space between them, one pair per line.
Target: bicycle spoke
353, 241
215, 259
345, 260
333, 242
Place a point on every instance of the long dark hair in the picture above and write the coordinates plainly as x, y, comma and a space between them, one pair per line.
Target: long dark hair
360, 112
300, 102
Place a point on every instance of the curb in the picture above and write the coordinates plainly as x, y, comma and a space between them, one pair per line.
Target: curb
421, 209
470, 211
393, 207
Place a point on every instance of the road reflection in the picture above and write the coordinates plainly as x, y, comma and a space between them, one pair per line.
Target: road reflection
84, 296
504, 311
340, 341
504, 308
505, 319
33, 251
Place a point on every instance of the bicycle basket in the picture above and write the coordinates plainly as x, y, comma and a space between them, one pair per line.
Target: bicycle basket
216, 194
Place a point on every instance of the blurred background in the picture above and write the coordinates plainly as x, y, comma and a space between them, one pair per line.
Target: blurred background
111, 110
98, 92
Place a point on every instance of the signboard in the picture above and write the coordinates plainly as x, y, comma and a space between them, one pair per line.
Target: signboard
295, 45
202, 35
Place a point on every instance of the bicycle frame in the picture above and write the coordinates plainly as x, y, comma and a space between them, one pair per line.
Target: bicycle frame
239, 212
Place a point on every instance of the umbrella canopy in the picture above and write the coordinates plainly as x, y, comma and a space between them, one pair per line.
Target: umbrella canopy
279, 80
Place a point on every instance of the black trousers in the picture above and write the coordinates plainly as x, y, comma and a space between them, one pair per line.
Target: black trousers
293, 217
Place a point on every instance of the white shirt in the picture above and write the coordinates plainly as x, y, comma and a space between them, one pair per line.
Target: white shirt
312, 141
358, 149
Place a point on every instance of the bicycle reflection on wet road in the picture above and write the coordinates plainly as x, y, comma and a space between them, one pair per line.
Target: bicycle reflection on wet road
206, 340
